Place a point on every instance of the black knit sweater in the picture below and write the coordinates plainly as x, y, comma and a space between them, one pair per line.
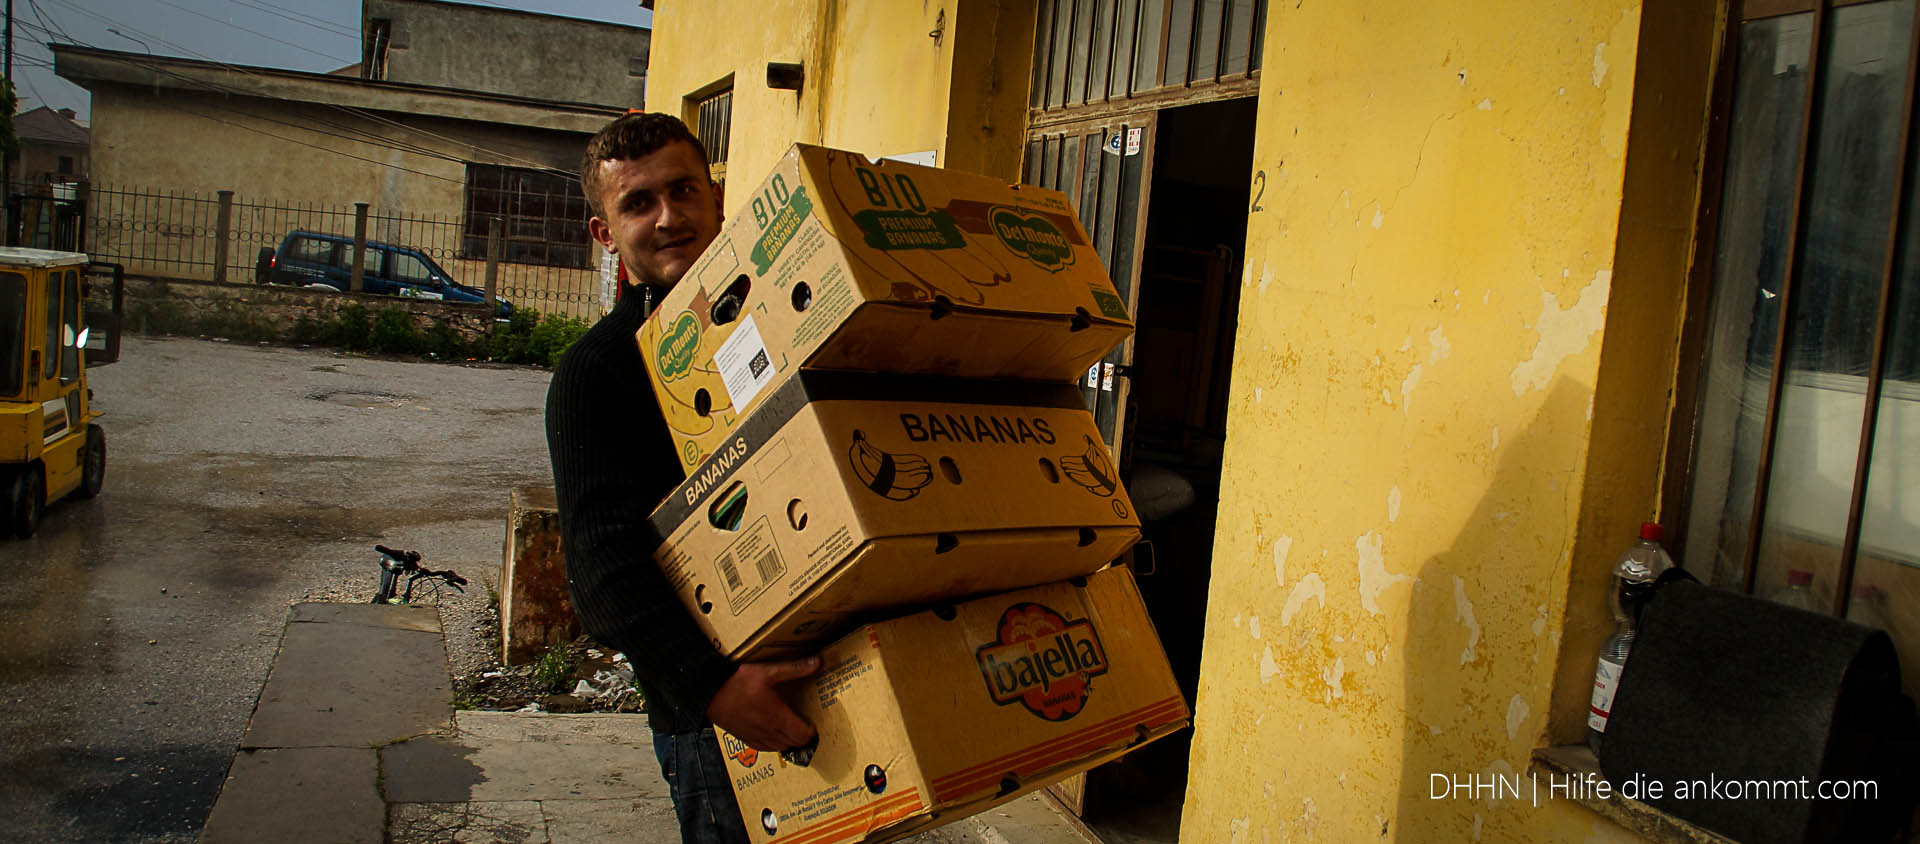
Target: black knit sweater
613, 461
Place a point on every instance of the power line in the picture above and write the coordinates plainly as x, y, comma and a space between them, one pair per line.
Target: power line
305, 20
323, 149
361, 113
252, 32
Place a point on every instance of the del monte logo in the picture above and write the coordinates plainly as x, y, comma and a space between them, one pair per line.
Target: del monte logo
677, 346
1033, 237
1042, 660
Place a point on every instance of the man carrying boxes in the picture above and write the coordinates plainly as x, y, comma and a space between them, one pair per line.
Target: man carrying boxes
866, 384
868, 379
656, 209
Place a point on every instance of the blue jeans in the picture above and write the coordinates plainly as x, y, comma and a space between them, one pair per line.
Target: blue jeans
696, 776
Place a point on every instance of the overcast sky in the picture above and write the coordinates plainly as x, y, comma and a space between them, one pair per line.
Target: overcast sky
314, 35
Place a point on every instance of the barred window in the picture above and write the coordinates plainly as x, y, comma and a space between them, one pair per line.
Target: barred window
714, 125
543, 215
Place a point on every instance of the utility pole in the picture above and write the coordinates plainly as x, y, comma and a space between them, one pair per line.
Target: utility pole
6, 163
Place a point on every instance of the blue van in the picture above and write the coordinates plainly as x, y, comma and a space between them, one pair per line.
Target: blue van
307, 258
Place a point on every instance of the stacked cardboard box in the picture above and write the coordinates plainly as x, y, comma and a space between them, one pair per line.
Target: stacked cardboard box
868, 376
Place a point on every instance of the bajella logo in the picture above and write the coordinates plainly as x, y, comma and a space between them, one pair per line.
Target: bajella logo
738, 751
1042, 660
677, 347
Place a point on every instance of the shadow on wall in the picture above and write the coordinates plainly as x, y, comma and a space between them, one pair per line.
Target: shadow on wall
1479, 656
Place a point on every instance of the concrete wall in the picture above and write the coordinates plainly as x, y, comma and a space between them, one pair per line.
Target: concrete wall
310, 163
1450, 390
482, 48
877, 80
39, 161
281, 307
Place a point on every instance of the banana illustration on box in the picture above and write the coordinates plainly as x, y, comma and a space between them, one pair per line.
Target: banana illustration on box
1092, 469
895, 476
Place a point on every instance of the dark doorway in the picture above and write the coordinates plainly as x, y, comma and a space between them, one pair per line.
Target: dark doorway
1175, 424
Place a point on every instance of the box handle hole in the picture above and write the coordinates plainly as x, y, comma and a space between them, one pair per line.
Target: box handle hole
1049, 471
797, 514
951, 470
942, 308
703, 402
945, 542
802, 296
728, 507
1081, 320
727, 307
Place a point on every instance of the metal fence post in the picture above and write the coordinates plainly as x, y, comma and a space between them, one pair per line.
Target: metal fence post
224, 228
495, 246
358, 284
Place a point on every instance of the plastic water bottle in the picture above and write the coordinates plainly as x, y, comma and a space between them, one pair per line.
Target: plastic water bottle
1633, 579
1799, 591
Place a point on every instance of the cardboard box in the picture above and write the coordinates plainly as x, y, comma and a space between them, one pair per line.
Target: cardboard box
832, 502
935, 716
844, 263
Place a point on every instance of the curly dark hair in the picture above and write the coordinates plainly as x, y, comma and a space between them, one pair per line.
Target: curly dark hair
635, 135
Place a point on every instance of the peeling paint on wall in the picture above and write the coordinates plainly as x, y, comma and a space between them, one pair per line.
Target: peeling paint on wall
1253, 626
1486, 104
1333, 674
1281, 547
1516, 715
1374, 577
1310, 586
1562, 333
1599, 63
1496, 439
1393, 503
1438, 340
1406, 387
1463, 613
1268, 668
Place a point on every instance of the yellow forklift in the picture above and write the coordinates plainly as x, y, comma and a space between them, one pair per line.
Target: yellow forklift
50, 447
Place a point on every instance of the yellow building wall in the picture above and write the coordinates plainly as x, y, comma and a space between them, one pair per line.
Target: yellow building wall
879, 78
1449, 398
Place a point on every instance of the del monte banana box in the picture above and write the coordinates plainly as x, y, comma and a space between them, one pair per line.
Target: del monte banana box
935, 716
838, 262
848, 494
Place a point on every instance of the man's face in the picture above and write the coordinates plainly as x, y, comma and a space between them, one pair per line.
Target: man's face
661, 211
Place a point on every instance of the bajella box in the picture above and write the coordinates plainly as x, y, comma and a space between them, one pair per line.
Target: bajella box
880, 266
935, 716
846, 495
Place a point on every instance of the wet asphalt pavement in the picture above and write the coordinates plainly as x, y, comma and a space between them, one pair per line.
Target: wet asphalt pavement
136, 629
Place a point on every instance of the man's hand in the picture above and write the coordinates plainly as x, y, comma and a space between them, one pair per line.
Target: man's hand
749, 705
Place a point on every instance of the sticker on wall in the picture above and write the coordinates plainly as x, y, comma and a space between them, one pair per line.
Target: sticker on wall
1133, 140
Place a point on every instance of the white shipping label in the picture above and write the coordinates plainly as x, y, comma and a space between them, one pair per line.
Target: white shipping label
1606, 679
744, 365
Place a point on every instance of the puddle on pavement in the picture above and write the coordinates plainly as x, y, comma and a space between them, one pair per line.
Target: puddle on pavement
361, 398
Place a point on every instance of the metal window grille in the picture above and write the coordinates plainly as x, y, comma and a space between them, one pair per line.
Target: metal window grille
544, 214
1088, 51
716, 122
1796, 451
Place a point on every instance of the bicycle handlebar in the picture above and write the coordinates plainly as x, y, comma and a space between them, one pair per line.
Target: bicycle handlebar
409, 557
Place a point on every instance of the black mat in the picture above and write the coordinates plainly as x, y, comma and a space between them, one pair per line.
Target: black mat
1748, 706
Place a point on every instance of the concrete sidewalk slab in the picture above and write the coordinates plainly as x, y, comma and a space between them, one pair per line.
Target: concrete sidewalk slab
299, 794
355, 740
354, 675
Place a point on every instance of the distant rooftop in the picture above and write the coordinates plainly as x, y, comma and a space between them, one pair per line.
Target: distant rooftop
46, 124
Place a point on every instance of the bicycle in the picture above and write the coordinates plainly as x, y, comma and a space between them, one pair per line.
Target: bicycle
395, 563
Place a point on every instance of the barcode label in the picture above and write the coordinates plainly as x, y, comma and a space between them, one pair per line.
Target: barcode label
731, 572
770, 566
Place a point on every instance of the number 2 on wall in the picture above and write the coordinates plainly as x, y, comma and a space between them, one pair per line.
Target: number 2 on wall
1260, 184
